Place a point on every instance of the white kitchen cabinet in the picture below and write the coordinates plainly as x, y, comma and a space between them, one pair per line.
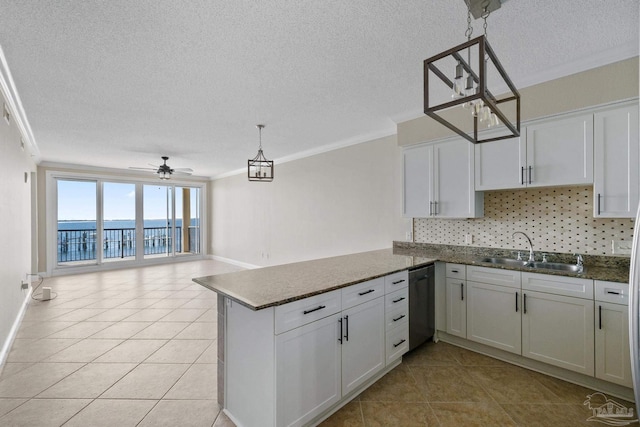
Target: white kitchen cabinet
456, 307
363, 343
616, 181
439, 181
612, 355
493, 316
309, 356
549, 153
558, 330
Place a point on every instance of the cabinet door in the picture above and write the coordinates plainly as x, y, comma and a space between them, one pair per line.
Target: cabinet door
616, 163
560, 152
558, 330
456, 308
453, 181
416, 181
499, 164
308, 371
363, 343
613, 361
493, 316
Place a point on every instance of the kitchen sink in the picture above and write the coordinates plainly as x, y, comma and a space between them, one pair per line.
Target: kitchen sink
505, 261
557, 266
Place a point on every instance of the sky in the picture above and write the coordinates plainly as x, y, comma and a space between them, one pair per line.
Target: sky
77, 201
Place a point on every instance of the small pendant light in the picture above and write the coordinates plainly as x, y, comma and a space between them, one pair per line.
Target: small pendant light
259, 168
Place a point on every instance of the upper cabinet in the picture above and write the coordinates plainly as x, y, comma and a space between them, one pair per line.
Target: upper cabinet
438, 181
617, 156
551, 153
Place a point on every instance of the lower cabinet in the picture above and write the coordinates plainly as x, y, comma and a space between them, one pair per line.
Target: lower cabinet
558, 330
456, 307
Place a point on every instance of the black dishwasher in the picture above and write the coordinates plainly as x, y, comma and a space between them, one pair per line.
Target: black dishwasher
421, 305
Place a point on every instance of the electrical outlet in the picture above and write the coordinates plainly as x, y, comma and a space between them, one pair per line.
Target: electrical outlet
468, 239
409, 236
621, 247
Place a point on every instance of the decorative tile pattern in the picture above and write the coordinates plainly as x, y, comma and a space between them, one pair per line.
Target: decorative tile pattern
557, 219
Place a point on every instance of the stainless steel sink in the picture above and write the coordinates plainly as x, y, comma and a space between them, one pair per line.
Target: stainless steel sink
504, 261
558, 266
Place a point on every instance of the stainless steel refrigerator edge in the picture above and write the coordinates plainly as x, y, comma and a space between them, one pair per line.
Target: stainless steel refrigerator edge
421, 305
634, 312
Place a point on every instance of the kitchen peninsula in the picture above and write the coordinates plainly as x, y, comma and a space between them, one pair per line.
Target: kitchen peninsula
276, 321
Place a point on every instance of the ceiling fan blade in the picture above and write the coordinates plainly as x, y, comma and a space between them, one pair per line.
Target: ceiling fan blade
178, 172
143, 169
155, 166
183, 170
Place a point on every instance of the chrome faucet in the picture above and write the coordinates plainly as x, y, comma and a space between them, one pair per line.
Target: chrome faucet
579, 262
531, 257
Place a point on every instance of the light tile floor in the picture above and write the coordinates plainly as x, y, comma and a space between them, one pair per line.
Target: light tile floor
137, 347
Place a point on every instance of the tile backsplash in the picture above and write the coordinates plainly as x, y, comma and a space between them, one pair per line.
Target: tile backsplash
557, 219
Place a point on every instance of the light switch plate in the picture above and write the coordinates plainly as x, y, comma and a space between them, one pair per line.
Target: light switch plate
621, 247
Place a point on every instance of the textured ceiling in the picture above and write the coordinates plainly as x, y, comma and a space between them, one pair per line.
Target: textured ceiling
120, 83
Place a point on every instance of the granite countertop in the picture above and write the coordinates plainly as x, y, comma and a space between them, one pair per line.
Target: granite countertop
271, 286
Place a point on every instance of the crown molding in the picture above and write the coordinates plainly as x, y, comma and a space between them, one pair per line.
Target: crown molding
12, 98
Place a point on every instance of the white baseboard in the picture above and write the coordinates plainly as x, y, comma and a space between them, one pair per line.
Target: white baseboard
6, 346
234, 262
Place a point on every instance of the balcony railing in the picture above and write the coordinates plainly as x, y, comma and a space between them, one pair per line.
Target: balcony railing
80, 245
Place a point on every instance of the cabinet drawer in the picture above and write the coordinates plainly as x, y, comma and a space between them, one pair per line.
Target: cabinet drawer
396, 281
397, 299
397, 343
614, 292
301, 312
558, 285
362, 292
494, 276
456, 271
396, 317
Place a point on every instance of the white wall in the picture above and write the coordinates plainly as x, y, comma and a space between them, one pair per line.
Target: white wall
339, 202
15, 225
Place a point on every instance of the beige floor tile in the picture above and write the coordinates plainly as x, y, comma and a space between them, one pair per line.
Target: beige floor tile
108, 302
157, 294
350, 415
397, 386
139, 302
549, 415
565, 392
33, 380
42, 329
511, 384
43, 313
183, 413
76, 303
80, 314
179, 351
431, 354
114, 315
207, 303
109, 413
11, 368
199, 382
199, 331
448, 384
210, 355
183, 315
122, 330
40, 349
210, 315
161, 330
169, 303
90, 381
43, 412
223, 421
471, 358
146, 381
131, 351
84, 351
398, 414
7, 405
488, 414
149, 315
81, 330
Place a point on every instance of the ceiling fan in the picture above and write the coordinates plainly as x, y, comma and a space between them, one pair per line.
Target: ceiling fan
164, 171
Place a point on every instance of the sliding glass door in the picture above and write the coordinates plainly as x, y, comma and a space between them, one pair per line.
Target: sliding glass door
187, 214
159, 232
76, 222
118, 221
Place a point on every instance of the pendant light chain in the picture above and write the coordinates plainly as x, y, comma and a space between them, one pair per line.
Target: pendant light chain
260, 136
484, 16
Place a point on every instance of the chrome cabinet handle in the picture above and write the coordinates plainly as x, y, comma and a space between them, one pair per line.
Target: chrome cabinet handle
320, 307
366, 292
401, 341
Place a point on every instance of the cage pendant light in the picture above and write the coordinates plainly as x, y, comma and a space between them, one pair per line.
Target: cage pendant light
259, 168
482, 107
